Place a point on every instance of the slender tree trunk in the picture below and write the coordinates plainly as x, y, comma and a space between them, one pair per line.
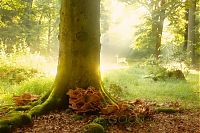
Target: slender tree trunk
155, 35
49, 33
157, 28
27, 21
38, 29
159, 37
186, 28
191, 31
79, 53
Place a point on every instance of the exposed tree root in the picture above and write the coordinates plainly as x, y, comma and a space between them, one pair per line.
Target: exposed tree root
166, 110
42, 99
21, 115
17, 116
107, 97
14, 119
47, 106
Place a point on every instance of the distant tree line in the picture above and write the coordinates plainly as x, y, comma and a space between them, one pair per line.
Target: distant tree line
32, 23
179, 19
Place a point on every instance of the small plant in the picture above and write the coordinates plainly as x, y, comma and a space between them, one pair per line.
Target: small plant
157, 71
17, 74
116, 90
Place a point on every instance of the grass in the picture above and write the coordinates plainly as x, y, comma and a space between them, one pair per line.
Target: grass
37, 86
23, 74
128, 83
134, 85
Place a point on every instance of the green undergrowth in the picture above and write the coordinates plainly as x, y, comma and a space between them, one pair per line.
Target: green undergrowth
36, 86
24, 72
130, 83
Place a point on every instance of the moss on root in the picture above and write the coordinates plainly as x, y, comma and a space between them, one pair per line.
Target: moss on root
50, 104
14, 119
5, 128
101, 121
166, 110
23, 108
41, 100
77, 117
41, 109
93, 128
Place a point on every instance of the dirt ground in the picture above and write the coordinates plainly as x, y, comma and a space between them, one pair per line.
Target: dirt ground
188, 121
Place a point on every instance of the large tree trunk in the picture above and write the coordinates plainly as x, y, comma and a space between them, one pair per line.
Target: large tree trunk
79, 54
79, 60
191, 31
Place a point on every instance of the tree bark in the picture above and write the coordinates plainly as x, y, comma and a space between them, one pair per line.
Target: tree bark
186, 26
27, 21
49, 33
79, 60
79, 53
157, 27
191, 31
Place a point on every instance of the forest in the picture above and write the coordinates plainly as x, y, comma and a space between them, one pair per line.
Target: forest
99, 66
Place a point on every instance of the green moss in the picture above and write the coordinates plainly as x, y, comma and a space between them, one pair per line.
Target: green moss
5, 128
13, 119
37, 110
101, 121
16, 118
23, 108
93, 128
77, 117
166, 110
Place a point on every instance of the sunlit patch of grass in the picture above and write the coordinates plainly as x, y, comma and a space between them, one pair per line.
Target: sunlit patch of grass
5, 93
22, 71
36, 86
137, 86
112, 67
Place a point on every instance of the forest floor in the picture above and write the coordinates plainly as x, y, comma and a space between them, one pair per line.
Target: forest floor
188, 121
125, 82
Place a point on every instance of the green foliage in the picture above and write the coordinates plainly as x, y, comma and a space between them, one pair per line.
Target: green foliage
21, 72
16, 75
116, 90
29, 22
156, 70
163, 70
173, 40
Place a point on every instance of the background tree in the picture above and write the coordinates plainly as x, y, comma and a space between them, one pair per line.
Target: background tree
191, 30
31, 23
